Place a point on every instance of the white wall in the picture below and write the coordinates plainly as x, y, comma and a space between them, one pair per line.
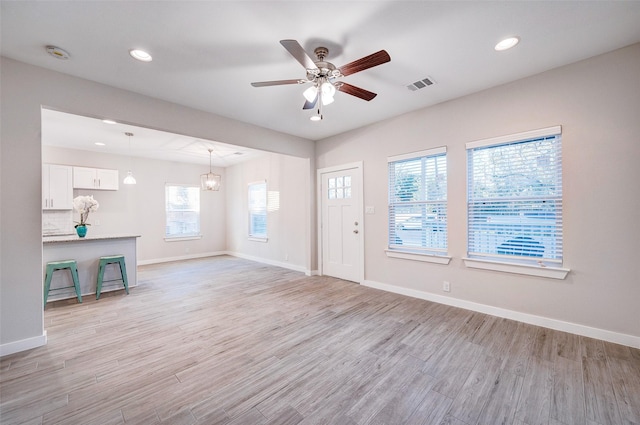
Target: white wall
288, 210
25, 89
139, 209
597, 102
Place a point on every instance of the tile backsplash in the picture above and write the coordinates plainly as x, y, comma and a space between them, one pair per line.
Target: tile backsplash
57, 222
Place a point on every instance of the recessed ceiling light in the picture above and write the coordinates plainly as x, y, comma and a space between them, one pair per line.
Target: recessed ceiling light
99, 144
57, 52
140, 55
109, 121
507, 43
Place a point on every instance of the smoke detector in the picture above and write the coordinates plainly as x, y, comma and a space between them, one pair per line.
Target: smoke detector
57, 52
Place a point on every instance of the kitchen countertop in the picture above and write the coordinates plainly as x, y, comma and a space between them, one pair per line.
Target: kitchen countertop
89, 237
87, 252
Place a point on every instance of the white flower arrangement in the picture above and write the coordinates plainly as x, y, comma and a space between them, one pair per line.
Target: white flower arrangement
84, 205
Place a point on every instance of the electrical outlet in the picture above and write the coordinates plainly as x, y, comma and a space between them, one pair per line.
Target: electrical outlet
446, 287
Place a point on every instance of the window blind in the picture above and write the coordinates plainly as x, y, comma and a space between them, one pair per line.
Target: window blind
515, 198
418, 202
258, 209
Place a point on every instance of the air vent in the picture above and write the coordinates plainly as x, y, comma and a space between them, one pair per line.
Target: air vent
420, 84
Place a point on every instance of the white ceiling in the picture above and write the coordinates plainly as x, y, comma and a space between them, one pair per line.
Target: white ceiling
206, 53
80, 132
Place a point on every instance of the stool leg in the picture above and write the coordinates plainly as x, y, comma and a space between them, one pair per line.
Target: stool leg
47, 284
76, 282
100, 277
123, 273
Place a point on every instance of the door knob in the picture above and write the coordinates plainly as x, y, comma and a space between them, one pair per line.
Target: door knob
355, 231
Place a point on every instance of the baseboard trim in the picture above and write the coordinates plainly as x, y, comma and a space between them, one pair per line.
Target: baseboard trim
559, 325
23, 344
180, 258
233, 254
284, 265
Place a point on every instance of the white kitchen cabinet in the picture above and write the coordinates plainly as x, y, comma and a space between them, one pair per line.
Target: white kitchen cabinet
95, 178
57, 187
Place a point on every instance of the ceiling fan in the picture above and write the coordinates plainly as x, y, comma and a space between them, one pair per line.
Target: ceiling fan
324, 76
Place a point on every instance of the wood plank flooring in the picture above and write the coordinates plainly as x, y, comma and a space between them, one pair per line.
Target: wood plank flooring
226, 341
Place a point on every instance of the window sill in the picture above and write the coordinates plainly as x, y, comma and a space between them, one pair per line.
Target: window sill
526, 269
182, 238
255, 239
427, 258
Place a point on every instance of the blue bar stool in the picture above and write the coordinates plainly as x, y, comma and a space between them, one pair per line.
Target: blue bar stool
61, 265
112, 259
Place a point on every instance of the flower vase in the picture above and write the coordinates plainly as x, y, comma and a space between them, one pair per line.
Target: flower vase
81, 230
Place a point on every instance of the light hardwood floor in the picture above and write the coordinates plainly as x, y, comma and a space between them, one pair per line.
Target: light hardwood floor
224, 340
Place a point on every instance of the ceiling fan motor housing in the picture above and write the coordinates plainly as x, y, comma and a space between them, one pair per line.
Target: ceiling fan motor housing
323, 69
321, 53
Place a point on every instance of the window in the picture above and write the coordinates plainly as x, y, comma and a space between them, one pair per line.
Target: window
418, 202
182, 205
339, 187
515, 197
258, 210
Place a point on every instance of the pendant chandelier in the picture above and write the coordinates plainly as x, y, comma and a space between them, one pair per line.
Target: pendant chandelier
129, 179
210, 181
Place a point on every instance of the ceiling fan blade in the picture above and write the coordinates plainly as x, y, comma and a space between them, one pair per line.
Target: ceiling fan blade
366, 62
277, 83
310, 105
357, 91
298, 53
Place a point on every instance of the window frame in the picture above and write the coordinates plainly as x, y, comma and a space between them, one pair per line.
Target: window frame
257, 211
438, 251
529, 243
172, 237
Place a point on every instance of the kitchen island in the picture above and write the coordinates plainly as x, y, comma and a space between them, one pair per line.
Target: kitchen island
87, 252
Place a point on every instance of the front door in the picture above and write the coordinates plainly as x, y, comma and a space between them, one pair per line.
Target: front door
341, 222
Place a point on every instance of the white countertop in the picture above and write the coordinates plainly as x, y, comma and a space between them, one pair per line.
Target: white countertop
89, 237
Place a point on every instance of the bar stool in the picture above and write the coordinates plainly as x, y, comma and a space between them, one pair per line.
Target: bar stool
61, 265
112, 259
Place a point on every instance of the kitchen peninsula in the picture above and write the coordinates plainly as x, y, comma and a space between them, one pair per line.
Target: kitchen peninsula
87, 252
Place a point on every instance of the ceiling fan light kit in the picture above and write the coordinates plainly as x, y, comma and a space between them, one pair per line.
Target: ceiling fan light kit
310, 93
324, 76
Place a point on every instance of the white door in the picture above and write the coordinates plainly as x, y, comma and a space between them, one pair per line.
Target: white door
341, 222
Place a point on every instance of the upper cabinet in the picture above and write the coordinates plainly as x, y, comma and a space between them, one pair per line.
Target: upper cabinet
95, 178
57, 187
